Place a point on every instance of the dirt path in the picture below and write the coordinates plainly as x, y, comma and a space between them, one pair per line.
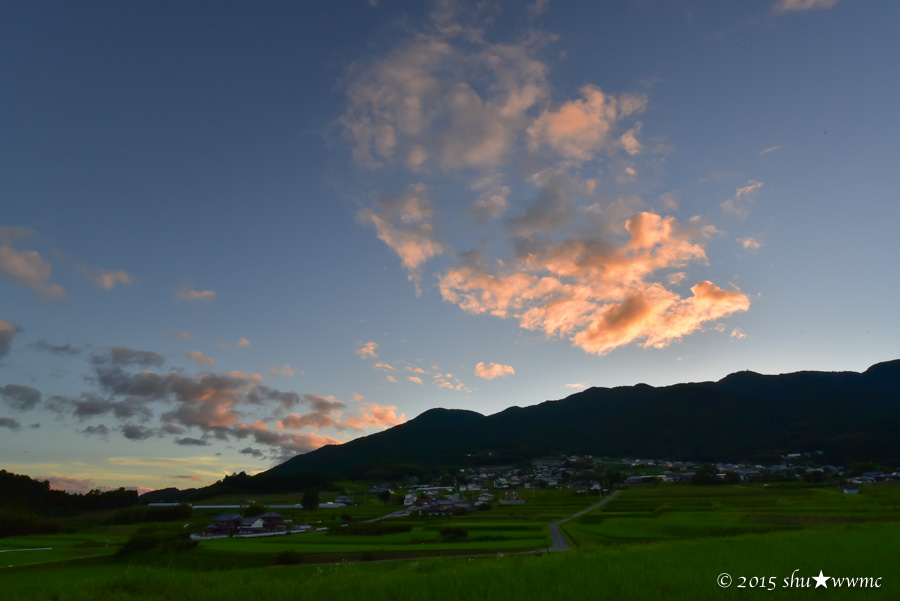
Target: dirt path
559, 540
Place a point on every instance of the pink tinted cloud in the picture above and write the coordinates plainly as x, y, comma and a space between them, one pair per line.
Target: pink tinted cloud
27, 267
598, 294
402, 223
493, 370
70, 485
414, 379
201, 359
375, 415
581, 129
367, 350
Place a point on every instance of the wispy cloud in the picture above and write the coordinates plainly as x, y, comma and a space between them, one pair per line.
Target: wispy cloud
785, 6
285, 371
242, 343
738, 205
770, 149
201, 359
188, 293
403, 223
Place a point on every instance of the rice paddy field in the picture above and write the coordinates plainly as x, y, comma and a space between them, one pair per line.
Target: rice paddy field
665, 542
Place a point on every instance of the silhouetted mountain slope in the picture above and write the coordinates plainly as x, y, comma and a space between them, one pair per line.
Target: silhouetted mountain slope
745, 416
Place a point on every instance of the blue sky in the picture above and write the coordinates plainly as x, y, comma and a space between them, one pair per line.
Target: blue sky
233, 232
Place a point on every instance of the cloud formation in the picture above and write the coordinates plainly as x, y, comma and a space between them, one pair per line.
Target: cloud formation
27, 267
10, 423
7, 333
581, 129
784, 6
19, 397
493, 370
201, 359
419, 105
598, 294
403, 224
189, 294
60, 350
367, 350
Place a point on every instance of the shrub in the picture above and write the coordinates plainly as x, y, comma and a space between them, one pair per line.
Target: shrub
452, 534
285, 558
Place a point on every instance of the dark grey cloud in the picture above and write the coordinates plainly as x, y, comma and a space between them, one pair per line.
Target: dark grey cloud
61, 350
35, 425
121, 356
91, 404
8, 422
263, 394
99, 430
147, 384
19, 397
251, 451
191, 442
7, 333
322, 404
135, 432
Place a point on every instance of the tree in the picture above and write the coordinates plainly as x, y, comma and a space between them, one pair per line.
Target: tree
385, 496
310, 499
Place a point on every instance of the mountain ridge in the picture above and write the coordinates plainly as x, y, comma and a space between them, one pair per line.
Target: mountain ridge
849, 416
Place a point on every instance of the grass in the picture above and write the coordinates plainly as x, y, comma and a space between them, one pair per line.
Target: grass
676, 570
680, 512
668, 542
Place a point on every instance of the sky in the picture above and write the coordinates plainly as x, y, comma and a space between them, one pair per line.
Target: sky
233, 232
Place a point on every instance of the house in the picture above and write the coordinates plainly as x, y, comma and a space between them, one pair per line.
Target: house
410, 499
267, 522
224, 524
485, 497
511, 497
346, 500
851, 491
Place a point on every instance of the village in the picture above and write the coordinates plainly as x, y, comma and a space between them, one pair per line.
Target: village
480, 489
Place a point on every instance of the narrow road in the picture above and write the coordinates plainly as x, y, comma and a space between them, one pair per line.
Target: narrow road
559, 540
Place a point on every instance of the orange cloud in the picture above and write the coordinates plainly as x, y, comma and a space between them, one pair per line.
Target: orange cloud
375, 415
582, 128
493, 370
414, 379
367, 350
201, 359
597, 294
243, 342
109, 279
